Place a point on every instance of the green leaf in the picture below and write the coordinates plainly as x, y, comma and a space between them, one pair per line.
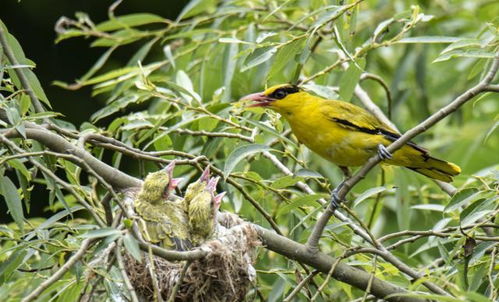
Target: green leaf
196, 7
132, 247
36, 87
71, 293
460, 43
13, 200
469, 53
129, 21
229, 68
349, 79
286, 181
462, 197
301, 201
259, 56
7, 267
99, 233
477, 210
305, 173
284, 55
239, 153
114, 107
367, 194
427, 39
429, 207
19, 166
183, 80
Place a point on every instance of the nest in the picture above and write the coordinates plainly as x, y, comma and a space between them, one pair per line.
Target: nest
225, 274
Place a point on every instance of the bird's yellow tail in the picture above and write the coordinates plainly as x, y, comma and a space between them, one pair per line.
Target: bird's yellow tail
438, 169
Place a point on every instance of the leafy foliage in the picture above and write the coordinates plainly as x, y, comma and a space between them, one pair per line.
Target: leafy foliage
175, 98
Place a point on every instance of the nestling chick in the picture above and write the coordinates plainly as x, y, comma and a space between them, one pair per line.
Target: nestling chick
163, 221
196, 187
203, 209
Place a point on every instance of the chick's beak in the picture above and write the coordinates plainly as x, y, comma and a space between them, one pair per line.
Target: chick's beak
260, 99
212, 184
169, 168
217, 200
205, 176
174, 183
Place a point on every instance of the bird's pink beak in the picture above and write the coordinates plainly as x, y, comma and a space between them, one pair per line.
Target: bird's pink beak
205, 176
169, 168
217, 200
173, 183
212, 184
260, 99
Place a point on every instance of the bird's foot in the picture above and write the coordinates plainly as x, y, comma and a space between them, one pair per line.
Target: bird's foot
383, 153
335, 198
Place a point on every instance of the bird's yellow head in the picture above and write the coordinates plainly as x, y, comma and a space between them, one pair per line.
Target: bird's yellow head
281, 98
158, 185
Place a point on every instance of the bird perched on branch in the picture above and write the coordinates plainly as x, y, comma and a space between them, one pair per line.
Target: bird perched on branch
163, 220
345, 134
203, 209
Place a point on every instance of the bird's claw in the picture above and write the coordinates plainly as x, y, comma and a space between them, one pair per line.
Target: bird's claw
383, 153
335, 200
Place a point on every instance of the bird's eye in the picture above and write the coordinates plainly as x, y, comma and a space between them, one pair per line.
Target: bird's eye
280, 94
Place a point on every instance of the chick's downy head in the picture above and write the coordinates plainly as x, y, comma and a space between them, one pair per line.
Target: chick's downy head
202, 210
196, 187
158, 185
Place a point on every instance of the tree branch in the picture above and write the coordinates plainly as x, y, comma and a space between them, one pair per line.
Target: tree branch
322, 262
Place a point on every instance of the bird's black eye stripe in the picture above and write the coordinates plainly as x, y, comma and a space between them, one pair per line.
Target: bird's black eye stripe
284, 91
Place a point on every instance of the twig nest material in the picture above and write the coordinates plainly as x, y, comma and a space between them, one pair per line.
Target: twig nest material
225, 274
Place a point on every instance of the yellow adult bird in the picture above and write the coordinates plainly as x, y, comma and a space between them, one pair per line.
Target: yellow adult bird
345, 134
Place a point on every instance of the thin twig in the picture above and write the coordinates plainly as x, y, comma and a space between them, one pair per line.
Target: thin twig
85, 245
121, 265
179, 281
300, 285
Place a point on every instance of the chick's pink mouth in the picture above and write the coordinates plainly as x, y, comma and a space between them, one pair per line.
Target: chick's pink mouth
259, 99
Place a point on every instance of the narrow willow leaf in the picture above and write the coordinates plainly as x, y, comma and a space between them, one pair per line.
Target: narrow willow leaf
367, 194
114, 107
132, 247
98, 64
167, 50
350, 79
477, 210
309, 200
258, 57
429, 207
104, 232
461, 197
469, 53
286, 181
461, 43
239, 153
196, 7
229, 68
284, 55
8, 266
426, 40
129, 21
13, 200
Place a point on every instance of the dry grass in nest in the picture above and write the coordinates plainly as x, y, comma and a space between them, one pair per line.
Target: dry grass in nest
225, 274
